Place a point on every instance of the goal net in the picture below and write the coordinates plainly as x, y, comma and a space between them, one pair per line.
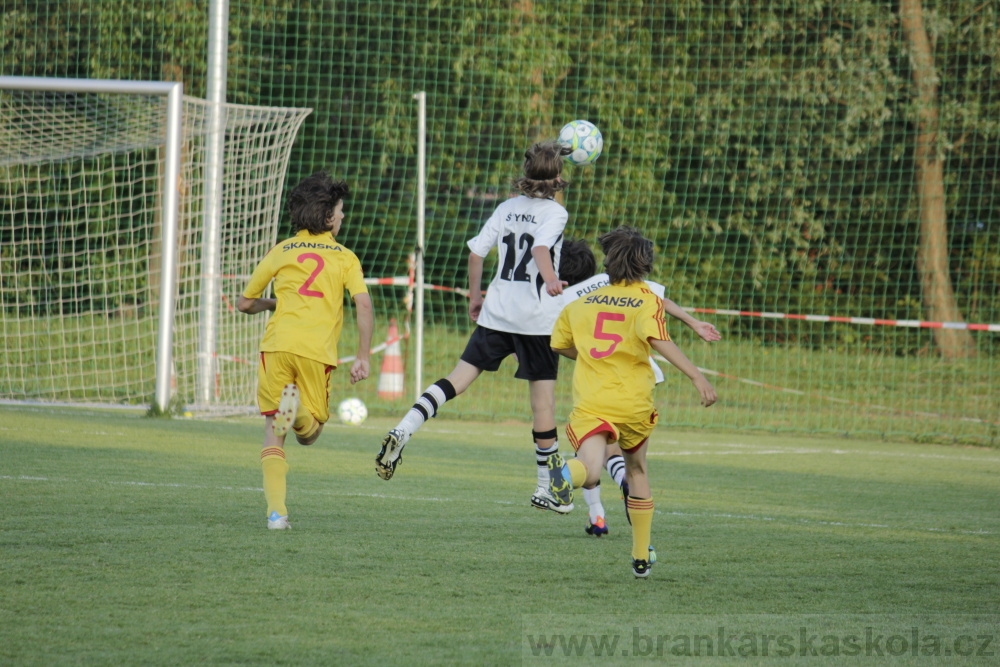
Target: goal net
81, 252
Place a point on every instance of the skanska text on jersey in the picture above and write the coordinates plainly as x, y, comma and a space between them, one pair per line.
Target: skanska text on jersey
304, 245
619, 301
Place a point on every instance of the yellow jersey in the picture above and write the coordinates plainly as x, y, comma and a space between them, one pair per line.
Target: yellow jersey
311, 274
610, 329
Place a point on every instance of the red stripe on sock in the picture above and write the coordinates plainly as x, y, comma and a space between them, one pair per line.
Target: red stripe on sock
639, 503
272, 451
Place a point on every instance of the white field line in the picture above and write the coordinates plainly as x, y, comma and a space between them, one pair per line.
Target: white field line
434, 499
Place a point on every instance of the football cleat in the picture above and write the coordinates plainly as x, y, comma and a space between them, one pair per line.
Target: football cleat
544, 500
560, 483
287, 409
597, 527
391, 454
640, 568
652, 554
277, 522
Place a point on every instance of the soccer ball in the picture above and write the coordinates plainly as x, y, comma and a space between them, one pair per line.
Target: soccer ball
352, 411
584, 139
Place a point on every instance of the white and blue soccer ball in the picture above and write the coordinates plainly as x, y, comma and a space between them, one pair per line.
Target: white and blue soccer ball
584, 139
352, 411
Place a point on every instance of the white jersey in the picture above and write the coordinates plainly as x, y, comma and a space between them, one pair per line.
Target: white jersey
574, 292
516, 300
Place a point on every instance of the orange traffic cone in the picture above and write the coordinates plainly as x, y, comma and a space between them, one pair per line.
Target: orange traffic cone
390, 380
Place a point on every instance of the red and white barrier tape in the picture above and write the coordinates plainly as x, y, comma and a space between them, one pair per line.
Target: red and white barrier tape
919, 324
407, 281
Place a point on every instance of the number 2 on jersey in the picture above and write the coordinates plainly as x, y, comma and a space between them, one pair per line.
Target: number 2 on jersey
304, 289
601, 334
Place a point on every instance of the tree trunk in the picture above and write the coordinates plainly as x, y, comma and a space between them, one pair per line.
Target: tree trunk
932, 255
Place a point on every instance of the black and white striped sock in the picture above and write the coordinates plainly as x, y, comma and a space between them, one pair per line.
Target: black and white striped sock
616, 468
427, 406
542, 455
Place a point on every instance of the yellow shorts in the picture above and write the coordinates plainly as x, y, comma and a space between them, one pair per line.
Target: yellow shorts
628, 435
276, 369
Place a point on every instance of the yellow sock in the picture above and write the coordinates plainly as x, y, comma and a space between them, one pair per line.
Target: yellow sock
272, 462
577, 472
641, 512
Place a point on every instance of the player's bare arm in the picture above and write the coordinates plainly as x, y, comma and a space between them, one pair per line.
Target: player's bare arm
475, 286
553, 286
569, 353
705, 330
679, 360
253, 306
361, 367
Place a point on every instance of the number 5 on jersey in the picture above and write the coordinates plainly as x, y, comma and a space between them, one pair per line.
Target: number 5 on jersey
601, 334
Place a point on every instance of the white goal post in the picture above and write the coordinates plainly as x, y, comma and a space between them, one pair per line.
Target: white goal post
103, 251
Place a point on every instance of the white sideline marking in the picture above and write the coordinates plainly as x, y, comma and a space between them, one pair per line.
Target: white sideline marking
433, 499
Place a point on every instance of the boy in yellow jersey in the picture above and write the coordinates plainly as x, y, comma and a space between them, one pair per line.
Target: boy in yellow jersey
311, 273
609, 333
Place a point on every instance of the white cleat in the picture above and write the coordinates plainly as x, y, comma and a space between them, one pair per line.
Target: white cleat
544, 500
278, 522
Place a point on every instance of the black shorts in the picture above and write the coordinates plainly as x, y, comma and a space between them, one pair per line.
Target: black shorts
535, 359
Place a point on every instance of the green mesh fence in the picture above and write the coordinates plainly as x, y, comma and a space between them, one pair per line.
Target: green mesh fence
831, 159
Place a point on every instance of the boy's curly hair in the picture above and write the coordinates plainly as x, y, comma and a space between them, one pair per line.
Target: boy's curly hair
542, 169
628, 255
312, 201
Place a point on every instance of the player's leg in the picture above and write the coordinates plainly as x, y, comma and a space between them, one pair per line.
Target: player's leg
589, 435
584, 471
597, 525
314, 381
426, 407
485, 350
539, 365
436, 395
615, 465
640, 507
272, 376
545, 439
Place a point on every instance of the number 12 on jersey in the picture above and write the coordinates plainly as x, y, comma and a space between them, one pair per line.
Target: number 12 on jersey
520, 272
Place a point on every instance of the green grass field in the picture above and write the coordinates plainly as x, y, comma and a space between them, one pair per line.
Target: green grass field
126, 541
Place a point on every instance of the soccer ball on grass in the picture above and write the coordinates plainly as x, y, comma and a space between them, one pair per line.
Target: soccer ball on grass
584, 139
352, 411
